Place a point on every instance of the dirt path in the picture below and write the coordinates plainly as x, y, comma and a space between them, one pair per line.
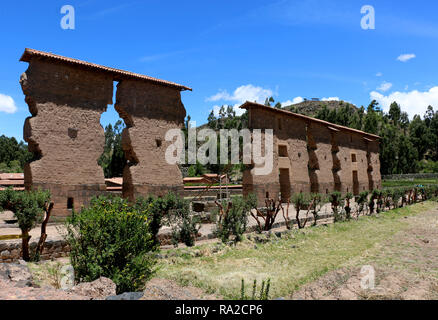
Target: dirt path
406, 267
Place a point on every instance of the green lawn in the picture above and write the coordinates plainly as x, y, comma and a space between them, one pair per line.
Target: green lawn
296, 259
406, 183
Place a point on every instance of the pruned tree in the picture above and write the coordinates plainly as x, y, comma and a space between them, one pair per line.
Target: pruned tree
265, 221
29, 208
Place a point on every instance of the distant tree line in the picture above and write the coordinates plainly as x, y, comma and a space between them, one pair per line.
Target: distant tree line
13, 155
407, 146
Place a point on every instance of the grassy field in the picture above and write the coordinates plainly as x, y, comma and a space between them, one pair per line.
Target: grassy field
296, 259
407, 183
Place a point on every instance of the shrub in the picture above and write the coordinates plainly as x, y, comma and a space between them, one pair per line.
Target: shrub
301, 201
386, 193
397, 193
318, 201
335, 199
233, 220
112, 238
159, 209
185, 224
361, 200
375, 195
348, 197
28, 208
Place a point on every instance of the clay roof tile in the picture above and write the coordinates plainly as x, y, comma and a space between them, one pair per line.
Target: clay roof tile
248, 105
118, 74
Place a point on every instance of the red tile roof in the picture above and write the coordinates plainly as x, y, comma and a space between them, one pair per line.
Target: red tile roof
248, 105
116, 73
11, 176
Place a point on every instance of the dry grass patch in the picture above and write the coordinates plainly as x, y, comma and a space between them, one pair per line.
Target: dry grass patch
300, 257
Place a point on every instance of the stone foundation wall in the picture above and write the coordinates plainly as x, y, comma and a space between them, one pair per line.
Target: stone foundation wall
10, 251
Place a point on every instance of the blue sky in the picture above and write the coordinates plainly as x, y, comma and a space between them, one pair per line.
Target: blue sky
230, 51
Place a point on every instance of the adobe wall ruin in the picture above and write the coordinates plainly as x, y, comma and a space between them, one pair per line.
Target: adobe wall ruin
149, 112
311, 155
66, 98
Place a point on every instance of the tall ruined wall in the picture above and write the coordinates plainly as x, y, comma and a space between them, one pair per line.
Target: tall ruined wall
374, 164
352, 145
320, 153
266, 185
291, 133
314, 157
149, 111
64, 132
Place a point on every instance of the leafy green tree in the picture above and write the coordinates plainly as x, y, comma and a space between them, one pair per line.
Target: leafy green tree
13, 154
394, 113
420, 136
28, 207
113, 159
371, 123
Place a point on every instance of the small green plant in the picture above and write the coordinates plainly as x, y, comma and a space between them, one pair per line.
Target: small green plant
263, 294
318, 201
112, 238
397, 193
301, 201
335, 199
160, 209
184, 223
375, 195
29, 208
233, 219
348, 197
361, 200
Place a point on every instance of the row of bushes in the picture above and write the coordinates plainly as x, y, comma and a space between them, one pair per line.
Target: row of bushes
233, 216
118, 239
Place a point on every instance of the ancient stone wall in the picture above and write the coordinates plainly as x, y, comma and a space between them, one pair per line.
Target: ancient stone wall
318, 156
149, 111
66, 98
266, 185
322, 164
374, 164
64, 132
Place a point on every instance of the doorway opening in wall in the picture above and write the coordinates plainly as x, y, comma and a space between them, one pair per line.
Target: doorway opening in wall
113, 158
355, 183
285, 187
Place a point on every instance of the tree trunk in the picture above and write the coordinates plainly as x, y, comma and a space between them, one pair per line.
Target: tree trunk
25, 244
43, 237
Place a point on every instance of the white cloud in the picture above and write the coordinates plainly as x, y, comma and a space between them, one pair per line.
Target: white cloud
413, 102
406, 57
379, 74
330, 99
7, 104
241, 95
293, 101
385, 86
